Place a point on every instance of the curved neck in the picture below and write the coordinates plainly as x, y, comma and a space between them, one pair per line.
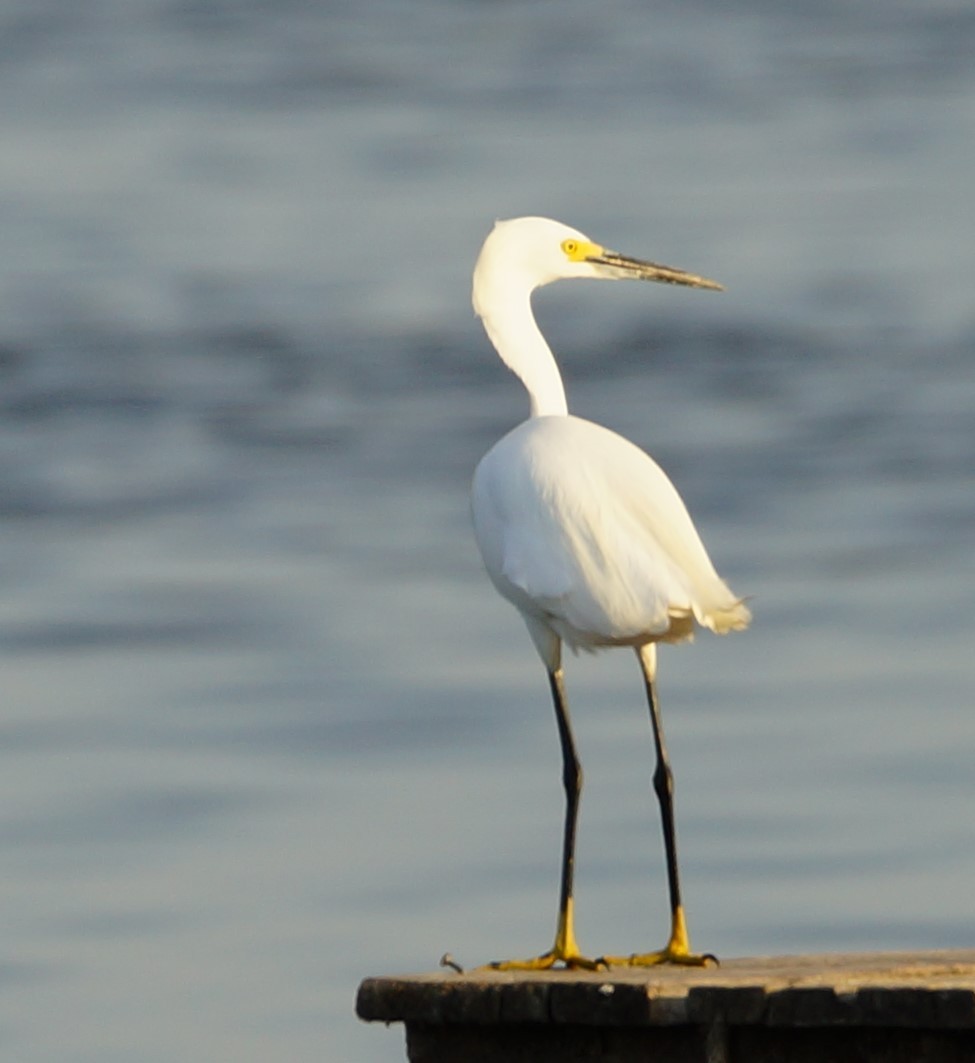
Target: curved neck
511, 327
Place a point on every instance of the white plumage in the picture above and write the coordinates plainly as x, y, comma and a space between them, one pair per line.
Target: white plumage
584, 533
579, 528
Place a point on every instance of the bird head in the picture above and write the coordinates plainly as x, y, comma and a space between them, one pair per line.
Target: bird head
527, 253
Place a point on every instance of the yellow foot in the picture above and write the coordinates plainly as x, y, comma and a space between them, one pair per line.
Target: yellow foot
565, 951
572, 960
668, 955
677, 950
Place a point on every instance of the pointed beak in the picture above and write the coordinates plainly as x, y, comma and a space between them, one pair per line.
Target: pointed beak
622, 267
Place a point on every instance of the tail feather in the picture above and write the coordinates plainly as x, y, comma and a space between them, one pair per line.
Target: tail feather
729, 615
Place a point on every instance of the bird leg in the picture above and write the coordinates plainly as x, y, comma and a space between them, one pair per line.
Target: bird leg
565, 950
678, 948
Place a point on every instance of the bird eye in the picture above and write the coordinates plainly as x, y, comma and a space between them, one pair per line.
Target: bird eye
570, 247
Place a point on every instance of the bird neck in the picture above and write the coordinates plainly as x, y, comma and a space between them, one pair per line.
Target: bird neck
516, 337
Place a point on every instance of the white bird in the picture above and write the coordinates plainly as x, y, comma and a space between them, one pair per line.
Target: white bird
584, 533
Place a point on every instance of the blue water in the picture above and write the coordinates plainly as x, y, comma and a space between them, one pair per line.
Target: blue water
266, 729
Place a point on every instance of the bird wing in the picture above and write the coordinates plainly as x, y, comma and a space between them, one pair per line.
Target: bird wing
580, 527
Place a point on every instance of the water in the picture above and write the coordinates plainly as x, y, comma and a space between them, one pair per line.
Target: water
265, 728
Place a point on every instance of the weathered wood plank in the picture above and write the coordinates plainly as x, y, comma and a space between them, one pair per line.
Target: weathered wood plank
868, 1006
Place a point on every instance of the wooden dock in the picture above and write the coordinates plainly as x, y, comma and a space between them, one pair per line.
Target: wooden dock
869, 1008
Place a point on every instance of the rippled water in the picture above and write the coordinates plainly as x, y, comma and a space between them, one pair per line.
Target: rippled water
266, 728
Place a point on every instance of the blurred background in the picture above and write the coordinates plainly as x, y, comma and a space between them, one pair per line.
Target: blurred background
266, 728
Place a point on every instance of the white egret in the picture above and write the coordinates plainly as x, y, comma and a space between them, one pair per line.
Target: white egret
584, 533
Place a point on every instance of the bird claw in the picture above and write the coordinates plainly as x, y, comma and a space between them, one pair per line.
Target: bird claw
446, 960
570, 961
664, 956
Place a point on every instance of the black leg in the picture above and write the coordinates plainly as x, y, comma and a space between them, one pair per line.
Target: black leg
565, 950
663, 780
678, 948
572, 781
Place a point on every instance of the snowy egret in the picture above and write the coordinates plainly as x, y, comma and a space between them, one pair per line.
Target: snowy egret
584, 534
